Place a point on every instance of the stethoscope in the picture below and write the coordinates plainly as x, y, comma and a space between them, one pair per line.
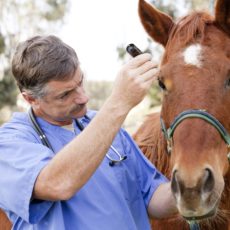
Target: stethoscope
46, 142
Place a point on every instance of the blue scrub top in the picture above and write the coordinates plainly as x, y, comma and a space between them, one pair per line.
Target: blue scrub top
114, 198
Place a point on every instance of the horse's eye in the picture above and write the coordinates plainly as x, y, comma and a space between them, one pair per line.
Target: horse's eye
161, 84
228, 83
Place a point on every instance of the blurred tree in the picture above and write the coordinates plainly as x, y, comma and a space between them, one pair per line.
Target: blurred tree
97, 92
20, 19
168, 7
200, 4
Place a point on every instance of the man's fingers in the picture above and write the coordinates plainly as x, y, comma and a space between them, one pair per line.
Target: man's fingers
151, 74
140, 60
147, 66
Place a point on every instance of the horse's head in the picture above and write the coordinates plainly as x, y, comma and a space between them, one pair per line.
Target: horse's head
195, 75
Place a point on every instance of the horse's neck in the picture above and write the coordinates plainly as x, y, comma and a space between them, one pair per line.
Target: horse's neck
151, 142
5, 224
226, 193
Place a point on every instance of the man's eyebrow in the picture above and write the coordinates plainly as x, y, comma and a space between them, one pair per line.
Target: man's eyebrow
69, 90
63, 93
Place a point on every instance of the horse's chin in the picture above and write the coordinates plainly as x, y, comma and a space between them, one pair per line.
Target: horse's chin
212, 213
208, 215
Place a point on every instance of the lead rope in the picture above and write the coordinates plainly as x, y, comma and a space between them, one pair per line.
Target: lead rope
193, 225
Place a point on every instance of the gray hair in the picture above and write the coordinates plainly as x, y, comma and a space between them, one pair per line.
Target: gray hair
41, 59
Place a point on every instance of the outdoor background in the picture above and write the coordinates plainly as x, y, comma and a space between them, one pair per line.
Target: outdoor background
99, 31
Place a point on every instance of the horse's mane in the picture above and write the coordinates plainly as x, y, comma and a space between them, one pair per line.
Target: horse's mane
188, 29
152, 143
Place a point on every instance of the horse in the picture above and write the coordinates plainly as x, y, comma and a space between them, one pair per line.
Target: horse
188, 140
5, 224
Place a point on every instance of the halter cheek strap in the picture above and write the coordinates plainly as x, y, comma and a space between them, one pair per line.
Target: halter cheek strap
202, 114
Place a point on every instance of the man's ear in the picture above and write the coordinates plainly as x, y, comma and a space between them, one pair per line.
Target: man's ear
29, 98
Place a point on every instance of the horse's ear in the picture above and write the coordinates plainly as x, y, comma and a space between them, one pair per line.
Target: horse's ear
156, 23
222, 15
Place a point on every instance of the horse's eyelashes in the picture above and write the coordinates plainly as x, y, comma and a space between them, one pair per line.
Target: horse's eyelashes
228, 83
161, 84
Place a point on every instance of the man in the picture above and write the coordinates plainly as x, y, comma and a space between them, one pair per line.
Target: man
83, 172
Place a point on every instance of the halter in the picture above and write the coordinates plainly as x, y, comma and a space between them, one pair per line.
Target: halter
202, 114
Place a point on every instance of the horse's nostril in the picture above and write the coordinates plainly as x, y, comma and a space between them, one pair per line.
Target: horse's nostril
205, 184
174, 184
208, 181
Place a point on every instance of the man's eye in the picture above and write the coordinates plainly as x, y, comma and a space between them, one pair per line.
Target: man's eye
63, 96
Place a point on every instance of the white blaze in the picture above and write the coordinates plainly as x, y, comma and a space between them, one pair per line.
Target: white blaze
192, 55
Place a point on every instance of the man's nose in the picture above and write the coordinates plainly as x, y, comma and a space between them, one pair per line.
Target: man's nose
81, 97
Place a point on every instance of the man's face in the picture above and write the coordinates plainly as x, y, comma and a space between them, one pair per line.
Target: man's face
63, 101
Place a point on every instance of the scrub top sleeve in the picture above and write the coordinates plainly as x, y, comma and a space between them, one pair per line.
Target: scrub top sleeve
20, 164
149, 177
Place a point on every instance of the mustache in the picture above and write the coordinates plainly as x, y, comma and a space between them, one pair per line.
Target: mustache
78, 107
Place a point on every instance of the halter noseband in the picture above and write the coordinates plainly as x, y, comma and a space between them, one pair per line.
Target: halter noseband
202, 114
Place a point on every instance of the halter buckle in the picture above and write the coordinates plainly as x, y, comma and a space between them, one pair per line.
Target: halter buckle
228, 155
169, 146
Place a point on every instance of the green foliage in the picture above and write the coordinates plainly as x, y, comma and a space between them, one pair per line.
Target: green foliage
172, 7
2, 44
166, 7
19, 20
121, 51
155, 95
200, 4
8, 90
57, 9
98, 91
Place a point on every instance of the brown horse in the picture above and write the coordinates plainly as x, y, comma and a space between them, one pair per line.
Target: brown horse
195, 79
5, 224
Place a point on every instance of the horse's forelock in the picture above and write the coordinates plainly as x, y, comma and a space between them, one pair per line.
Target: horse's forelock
188, 30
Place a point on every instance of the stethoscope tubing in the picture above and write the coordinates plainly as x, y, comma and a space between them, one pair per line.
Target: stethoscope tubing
46, 142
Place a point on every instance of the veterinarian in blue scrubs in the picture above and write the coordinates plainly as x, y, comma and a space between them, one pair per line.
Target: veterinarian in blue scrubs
66, 167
